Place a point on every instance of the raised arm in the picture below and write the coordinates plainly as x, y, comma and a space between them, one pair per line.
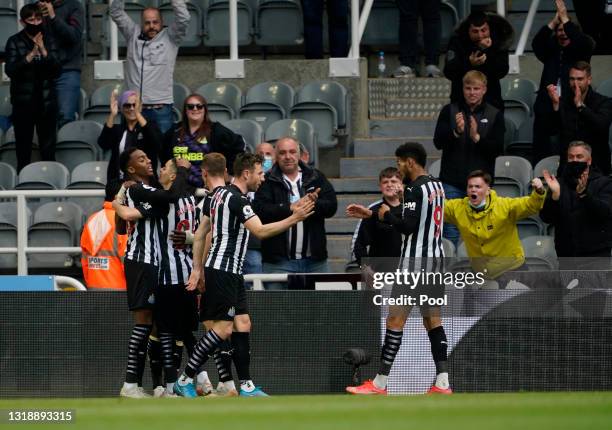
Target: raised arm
178, 29
126, 25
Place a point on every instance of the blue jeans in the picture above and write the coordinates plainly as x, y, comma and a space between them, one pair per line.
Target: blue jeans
251, 264
163, 117
305, 265
337, 13
68, 89
450, 231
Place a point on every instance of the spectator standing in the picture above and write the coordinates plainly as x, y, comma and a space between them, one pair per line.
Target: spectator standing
480, 43
65, 22
579, 206
409, 12
303, 248
558, 45
197, 136
32, 63
151, 56
133, 131
337, 13
595, 16
582, 114
470, 134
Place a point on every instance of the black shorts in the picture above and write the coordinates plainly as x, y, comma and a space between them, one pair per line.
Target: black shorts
225, 296
175, 310
426, 296
141, 281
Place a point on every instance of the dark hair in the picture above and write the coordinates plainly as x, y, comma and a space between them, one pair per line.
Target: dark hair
111, 189
478, 18
246, 161
29, 10
389, 172
203, 130
214, 163
412, 150
480, 174
583, 66
124, 158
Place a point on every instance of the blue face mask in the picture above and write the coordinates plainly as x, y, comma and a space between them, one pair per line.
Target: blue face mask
267, 164
481, 205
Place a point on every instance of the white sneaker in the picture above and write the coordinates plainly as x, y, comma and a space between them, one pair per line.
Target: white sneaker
204, 388
132, 392
432, 71
221, 391
144, 393
403, 72
167, 394
159, 391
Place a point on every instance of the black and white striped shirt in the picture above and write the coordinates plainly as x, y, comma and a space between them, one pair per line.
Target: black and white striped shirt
228, 210
297, 239
176, 263
145, 233
421, 224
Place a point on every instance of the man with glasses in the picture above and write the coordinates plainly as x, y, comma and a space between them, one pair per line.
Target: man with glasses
151, 56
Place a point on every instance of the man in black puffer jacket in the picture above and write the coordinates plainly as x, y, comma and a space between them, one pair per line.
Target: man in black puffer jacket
32, 64
303, 248
580, 206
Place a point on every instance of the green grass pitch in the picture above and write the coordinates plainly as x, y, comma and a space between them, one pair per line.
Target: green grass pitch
522, 411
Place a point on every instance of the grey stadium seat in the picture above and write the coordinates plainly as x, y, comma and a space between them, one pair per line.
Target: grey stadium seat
382, 27
8, 148
299, 129
279, 23
531, 226
549, 163
512, 176
267, 102
8, 232
540, 252
330, 92
605, 88
251, 132
99, 103
434, 168
8, 23
216, 23
46, 175
54, 224
90, 175
449, 248
224, 100
193, 38
519, 89
180, 93
8, 176
77, 143
517, 111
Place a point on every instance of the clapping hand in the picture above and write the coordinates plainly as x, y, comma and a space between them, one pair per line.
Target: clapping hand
358, 211
474, 130
562, 11
460, 121
554, 96
582, 182
553, 184
114, 104
382, 211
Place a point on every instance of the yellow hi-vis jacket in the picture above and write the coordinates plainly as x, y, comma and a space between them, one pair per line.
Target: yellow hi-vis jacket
491, 236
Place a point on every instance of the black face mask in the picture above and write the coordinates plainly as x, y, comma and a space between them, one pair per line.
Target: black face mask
573, 170
33, 29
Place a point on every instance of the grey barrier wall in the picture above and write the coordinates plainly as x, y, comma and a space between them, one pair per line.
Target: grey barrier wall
69, 344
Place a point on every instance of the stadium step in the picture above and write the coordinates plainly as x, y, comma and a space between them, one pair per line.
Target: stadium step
396, 128
382, 90
337, 265
360, 199
340, 225
414, 108
339, 247
355, 185
385, 147
369, 166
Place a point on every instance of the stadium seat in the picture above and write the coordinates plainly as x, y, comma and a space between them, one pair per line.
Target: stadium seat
434, 168
99, 103
54, 224
509, 133
279, 23
450, 18
216, 24
8, 148
605, 88
267, 102
330, 92
134, 10
462, 250
8, 23
449, 248
251, 132
549, 163
8, 176
531, 226
512, 176
180, 92
540, 252
382, 27
43, 175
522, 144
90, 175
193, 38
8, 232
301, 130
223, 98
322, 116
519, 89
6, 108
83, 103
77, 143
517, 111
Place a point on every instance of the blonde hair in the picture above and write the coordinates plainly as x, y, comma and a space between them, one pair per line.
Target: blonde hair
474, 75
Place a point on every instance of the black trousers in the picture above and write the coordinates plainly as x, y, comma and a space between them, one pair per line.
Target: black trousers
595, 23
429, 11
25, 119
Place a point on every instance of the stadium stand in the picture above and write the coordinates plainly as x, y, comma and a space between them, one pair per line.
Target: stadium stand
512, 176
549, 163
88, 175
8, 232
279, 23
605, 88
540, 252
250, 130
267, 102
99, 102
8, 176
8, 22
216, 19
193, 38
223, 98
77, 143
302, 130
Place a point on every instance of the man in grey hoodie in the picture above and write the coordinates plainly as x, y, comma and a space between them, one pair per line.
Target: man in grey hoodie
151, 56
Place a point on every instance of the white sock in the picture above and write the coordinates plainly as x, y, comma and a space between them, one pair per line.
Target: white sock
170, 387
442, 380
130, 385
203, 377
229, 385
184, 380
380, 381
247, 386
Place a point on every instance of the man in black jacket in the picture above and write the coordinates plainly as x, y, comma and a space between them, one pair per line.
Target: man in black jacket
558, 45
303, 248
580, 206
65, 21
32, 64
582, 114
471, 135
480, 43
